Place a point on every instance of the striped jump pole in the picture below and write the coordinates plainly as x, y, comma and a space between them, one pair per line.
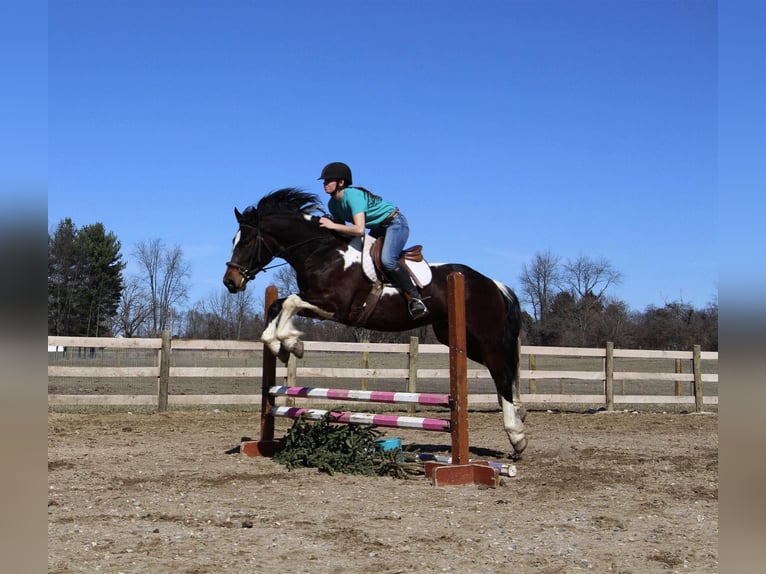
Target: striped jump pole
460, 471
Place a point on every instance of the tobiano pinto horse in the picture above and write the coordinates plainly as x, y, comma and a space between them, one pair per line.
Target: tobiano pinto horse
334, 285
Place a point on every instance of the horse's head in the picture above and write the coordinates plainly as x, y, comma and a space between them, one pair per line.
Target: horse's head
249, 254
277, 227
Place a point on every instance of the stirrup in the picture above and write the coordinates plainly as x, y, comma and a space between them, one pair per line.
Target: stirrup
417, 308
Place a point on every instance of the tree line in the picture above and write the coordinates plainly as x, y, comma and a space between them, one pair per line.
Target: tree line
567, 302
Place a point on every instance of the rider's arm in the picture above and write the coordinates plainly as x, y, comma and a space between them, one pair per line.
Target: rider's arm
357, 227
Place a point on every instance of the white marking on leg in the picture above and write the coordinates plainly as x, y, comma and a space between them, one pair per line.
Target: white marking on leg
269, 336
282, 332
514, 426
286, 331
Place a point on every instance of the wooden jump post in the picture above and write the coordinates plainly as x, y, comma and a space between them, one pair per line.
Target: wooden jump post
461, 471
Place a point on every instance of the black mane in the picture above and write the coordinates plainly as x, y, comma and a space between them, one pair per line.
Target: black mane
289, 200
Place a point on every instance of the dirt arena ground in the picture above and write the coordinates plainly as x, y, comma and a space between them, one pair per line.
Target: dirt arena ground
148, 493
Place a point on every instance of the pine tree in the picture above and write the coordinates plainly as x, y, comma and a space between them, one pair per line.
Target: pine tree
84, 280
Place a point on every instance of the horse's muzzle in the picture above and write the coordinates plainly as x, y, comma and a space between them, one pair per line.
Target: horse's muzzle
234, 280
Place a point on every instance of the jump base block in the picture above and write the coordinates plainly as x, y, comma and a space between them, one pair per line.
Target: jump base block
443, 474
260, 447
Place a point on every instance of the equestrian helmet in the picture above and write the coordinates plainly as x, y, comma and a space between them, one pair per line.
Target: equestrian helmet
337, 170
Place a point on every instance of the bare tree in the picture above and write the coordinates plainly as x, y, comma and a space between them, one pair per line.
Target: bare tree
133, 309
588, 279
286, 281
164, 272
223, 316
540, 282
586, 276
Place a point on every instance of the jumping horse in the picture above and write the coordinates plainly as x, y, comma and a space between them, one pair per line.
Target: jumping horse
333, 286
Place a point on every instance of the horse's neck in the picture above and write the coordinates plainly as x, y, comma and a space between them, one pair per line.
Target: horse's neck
297, 250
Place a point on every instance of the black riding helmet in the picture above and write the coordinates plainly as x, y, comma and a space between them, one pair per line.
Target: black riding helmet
337, 170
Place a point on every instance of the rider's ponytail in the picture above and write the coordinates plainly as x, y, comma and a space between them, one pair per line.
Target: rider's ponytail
369, 194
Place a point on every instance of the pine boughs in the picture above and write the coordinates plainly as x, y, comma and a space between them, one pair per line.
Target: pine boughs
339, 448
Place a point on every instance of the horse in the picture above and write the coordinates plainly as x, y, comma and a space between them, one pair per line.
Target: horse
333, 285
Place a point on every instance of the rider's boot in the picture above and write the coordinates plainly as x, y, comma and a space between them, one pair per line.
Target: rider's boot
401, 279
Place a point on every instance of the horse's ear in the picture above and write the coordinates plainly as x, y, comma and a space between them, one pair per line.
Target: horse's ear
238, 215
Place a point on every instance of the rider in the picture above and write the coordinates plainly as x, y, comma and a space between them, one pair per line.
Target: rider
363, 209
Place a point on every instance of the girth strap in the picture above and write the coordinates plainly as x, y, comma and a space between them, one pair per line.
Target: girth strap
363, 306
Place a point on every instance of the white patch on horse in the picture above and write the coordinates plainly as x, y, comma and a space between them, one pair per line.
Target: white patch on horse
390, 291
505, 290
350, 256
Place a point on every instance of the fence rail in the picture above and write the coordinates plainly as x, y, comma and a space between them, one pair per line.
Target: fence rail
162, 369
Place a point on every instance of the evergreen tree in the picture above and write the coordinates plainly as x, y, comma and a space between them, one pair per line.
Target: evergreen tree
84, 280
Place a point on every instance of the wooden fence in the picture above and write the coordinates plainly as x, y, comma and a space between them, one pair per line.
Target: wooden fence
606, 377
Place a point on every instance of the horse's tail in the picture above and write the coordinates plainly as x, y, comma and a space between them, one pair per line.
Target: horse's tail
511, 341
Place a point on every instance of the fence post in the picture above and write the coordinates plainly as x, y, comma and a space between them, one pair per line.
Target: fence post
412, 376
164, 379
292, 377
679, 384
365, 363
609, 376
697, 368
532, 367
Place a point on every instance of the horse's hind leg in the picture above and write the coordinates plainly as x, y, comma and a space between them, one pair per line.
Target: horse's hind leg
514, 427
513, 412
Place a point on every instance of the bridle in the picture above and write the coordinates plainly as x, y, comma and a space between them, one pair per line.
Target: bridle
249, 274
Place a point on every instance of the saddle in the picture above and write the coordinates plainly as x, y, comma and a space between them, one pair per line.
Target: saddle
370, 250
411, 259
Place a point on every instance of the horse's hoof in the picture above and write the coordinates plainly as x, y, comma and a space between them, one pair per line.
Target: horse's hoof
297, 349
519, 446
274, 346
283, 355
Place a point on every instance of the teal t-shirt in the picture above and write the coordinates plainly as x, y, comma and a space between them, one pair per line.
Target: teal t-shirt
355, 201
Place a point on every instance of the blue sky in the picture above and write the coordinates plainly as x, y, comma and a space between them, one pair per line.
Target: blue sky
501, 128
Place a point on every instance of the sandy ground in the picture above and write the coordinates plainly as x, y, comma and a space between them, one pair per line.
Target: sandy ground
621, 492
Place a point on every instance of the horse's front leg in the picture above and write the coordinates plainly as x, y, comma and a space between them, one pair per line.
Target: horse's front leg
269, 335
280, 335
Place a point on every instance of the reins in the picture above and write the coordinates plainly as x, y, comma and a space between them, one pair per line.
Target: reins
250, 274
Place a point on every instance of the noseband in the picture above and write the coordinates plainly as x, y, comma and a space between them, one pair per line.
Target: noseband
249, 274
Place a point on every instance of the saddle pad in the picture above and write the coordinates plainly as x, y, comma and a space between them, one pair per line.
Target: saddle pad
419, 270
